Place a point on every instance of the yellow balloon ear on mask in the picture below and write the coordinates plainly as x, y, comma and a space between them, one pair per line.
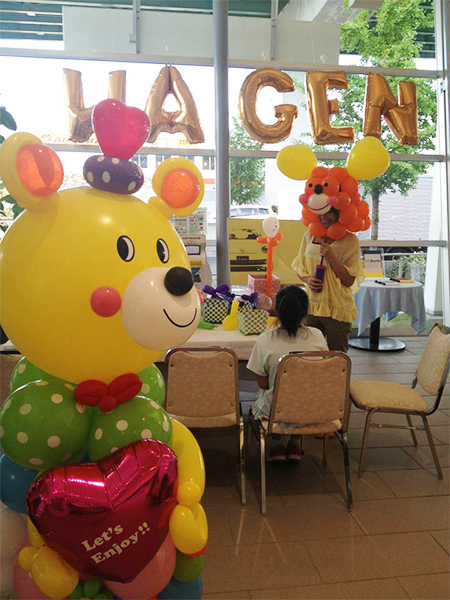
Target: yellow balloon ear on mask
368, 159
297, 162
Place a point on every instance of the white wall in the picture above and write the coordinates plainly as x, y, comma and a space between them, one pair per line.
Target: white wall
177, 34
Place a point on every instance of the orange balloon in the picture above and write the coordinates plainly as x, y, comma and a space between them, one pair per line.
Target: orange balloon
350, 186
356, 225
180, 188
363, 209
308, 216
337, 231
319, 172
343, 201
356, 199
348, 215
316, 229
39, 169
367, 223
338, 173
330, 186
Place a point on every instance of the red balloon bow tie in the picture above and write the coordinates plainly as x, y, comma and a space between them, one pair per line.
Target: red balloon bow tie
96, 393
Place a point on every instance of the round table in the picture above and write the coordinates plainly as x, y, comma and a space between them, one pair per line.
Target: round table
375, 299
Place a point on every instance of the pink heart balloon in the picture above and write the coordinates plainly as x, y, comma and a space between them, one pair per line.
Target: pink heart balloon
108, 519
120, 130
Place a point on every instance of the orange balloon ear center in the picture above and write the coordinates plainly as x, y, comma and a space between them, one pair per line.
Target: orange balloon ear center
39, 169
180, 188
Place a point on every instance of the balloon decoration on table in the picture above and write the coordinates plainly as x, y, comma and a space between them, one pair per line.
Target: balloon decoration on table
271, 226
338, 188
91, 304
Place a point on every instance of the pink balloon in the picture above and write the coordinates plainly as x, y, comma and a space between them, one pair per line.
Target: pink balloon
24, 586
152, 579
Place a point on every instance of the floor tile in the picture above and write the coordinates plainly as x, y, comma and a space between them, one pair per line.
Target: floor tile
236, 595
359, 558
379, 589
380, 437
377, 459
423, 456
405, 358
402, 514
218, 528
258, 566
441, 433
443, 538
409, 483
426, 587
292, 523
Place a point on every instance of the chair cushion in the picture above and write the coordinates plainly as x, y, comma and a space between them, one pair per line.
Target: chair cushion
203, 422
385, 394
307, 429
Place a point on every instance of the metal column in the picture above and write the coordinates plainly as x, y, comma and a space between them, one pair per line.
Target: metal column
220, 20
442, 33
273, 29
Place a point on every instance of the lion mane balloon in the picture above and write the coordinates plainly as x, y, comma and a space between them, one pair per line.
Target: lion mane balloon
335, 187
95, 286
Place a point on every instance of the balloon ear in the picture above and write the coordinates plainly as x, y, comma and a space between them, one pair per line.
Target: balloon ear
179, 186
368, 159
297, 162
32, 172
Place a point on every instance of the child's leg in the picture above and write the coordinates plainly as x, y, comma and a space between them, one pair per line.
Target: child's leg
277, 452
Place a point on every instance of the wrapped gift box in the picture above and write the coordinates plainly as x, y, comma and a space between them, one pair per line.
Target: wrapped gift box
214, 310
257, 283
252, 322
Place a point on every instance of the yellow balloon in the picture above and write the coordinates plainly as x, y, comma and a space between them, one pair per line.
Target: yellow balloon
188, 528
52, 574
296, 162
34, 537
26, 556
59, 266
368, 159
191, 467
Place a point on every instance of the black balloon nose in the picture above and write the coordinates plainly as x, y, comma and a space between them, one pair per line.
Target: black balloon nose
178, 281
318, 189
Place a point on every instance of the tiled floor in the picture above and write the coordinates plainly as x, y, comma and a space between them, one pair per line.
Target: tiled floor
395, 543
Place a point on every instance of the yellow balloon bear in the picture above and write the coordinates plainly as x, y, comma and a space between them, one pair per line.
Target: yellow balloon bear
94, 284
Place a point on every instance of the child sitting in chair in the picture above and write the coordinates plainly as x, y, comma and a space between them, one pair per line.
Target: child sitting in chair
289, 335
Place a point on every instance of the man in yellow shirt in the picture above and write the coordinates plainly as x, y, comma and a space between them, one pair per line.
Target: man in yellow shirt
331, 305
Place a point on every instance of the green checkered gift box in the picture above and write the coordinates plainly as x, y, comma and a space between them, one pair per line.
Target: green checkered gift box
252, 322
214, 310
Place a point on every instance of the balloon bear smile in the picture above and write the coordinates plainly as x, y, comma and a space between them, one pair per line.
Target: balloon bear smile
177, 324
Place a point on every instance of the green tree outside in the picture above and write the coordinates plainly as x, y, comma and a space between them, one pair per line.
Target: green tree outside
389, 40
246, 174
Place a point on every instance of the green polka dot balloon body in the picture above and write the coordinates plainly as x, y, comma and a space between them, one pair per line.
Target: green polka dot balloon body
153, 385
132, 421
25, 372
42, 426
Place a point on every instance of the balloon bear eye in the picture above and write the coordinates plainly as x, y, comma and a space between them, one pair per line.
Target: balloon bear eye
125, 248
163, 250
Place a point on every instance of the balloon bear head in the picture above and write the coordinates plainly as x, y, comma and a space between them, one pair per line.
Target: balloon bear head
94, 284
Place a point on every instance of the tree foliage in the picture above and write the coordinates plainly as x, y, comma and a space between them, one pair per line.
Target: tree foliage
246, 174
389, 40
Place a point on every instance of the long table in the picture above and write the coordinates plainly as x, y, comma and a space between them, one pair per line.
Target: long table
237, 341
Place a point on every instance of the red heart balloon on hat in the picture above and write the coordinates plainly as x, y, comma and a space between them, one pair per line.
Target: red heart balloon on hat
121, 130
108, 519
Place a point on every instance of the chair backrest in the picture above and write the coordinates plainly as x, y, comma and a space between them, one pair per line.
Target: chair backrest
312, 387
203, 383
434, 364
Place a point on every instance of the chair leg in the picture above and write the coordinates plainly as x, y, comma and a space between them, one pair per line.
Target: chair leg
242, 461
364, 444
325, 451
413, 434
262, 446
348, 481
432, 446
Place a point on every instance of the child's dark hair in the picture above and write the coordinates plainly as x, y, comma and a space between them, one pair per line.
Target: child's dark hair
291, 306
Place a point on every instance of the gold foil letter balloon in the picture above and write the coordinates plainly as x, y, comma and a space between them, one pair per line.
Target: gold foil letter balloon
401, 117
185, 120
285, 113
320, 108
79, 117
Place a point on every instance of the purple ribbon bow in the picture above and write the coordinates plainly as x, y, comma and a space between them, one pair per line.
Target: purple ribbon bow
252, 298
220, 291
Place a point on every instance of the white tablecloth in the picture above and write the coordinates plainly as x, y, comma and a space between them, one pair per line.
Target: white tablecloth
237, 341
374, 300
